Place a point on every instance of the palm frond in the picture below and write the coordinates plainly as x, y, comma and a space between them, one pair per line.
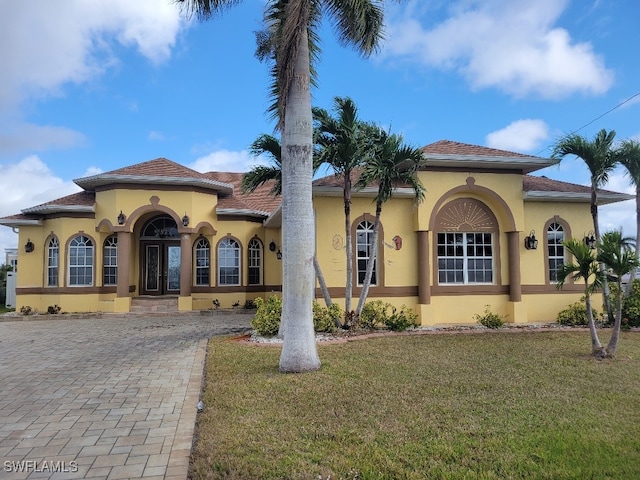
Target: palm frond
204, 9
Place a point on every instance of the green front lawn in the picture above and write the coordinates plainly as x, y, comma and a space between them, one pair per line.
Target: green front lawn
476, 406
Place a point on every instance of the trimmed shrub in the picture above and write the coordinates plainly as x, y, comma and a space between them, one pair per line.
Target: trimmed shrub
402, 320
324, 318
266, 322
250, 304
489, 319
374, 314
575, 315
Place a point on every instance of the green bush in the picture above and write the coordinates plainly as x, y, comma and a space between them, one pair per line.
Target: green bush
489, 319
324, 318
631, 305
402, 320
575, 315
266, 322
249, 304
374, 314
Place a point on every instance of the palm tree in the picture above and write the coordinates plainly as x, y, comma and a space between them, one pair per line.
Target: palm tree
584, 267
292, 40
393, 163
615, 252
261, 174
629, 157
343, 144
601, 159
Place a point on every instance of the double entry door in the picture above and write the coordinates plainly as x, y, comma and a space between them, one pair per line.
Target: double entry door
160, 267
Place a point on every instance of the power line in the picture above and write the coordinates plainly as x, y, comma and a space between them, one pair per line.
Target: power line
596, 119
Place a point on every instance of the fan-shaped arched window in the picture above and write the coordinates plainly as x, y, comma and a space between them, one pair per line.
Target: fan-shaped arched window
160, 227
364, 251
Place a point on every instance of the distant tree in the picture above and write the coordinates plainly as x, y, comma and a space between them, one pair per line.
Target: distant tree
393, 163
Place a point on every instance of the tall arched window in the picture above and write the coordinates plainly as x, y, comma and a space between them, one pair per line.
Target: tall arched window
364, 251
110, 261
555, 250
228, 262
53, 262
255, 262
81, 261
202, 259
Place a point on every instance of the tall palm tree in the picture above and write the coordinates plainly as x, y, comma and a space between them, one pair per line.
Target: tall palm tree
600, 158
584, 267
393, 163
344, 142
292, 28
629, 156
261, 174
614, 251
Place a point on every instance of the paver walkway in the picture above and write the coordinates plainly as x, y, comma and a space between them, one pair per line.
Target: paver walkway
111, 397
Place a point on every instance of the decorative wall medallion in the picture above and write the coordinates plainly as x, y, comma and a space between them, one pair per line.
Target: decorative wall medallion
337, 242
397, 240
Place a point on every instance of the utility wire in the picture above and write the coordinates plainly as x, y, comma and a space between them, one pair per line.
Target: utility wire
595, 119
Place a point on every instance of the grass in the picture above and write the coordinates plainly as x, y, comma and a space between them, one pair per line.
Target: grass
487, 406
6, 310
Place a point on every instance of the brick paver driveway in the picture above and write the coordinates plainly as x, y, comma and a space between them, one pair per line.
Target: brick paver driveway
108, 397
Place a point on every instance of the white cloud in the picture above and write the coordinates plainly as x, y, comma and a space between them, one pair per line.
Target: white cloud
21, 136
520, 136
227, 161
512, 45
24, 184
54, 43
154, 135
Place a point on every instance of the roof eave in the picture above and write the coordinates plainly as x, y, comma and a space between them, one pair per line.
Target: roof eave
47, 209
242, 212
331, 191
526, 164
275, 219
15, 222
90, 183
575, 197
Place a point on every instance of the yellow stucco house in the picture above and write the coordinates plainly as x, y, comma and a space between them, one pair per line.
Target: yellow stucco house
488, 233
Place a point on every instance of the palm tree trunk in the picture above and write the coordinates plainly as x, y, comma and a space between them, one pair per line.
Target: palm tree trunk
615, 334
606, 294
596, 346
299, 349
372, 260
323, 284
632, 276
348, 243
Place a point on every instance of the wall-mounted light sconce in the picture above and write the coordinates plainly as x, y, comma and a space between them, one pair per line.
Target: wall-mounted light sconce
185, 220
530, 241
272, 246
590, 240
121, 218
28, 247
279, 255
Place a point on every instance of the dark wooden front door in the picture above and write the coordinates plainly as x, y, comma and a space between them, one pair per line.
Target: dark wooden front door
160, 267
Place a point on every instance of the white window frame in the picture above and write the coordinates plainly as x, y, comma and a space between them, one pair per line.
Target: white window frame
229, 258
460, 252
82, 250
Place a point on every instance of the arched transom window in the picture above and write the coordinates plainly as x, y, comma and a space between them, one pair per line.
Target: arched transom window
466, 231
255, 262
202, 259
228, 262
81, 252
364, 251
53, 262
555, 250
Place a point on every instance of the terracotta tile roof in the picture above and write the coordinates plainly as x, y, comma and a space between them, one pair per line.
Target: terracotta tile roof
80, 199
336, 181
545, 189
543, 184
160, 167
259, 201
448, 147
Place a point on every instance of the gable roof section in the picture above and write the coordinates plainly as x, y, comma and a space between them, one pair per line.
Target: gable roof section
543, 189
456, 155
154, 172
81, 202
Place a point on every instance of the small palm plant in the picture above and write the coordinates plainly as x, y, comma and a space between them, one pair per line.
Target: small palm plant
584, 268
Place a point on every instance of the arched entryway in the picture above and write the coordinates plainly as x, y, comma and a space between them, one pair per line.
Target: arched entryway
160, 257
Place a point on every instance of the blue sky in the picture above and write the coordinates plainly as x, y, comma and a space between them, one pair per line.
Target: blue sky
87, 89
